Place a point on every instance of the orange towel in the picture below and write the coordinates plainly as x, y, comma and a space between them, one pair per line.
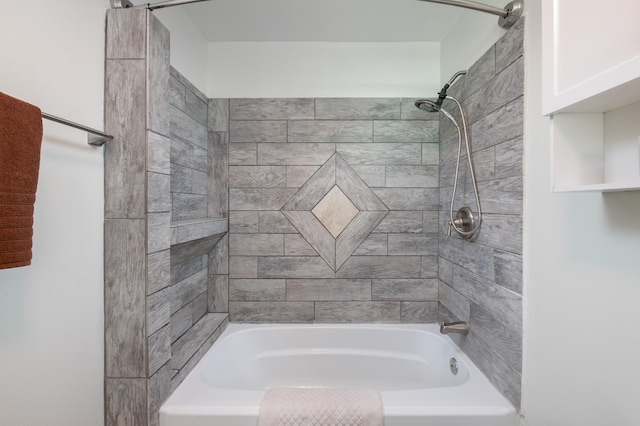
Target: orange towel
20, 140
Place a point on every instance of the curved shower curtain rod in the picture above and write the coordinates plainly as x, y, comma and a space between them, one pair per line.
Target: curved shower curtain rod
507, 16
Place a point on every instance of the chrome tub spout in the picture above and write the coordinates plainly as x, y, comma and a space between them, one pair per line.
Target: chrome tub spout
459, 327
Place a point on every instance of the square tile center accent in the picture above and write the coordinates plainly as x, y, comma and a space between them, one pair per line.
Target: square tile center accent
335, 211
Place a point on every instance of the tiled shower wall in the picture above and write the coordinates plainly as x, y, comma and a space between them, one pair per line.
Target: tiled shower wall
481, 280
380, 264
156, 251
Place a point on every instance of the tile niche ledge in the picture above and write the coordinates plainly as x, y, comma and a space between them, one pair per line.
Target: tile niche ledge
186, 231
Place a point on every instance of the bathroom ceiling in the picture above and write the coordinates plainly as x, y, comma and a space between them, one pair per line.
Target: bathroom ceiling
322, 20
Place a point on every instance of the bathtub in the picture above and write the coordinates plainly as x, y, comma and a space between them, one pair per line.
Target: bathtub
408, 364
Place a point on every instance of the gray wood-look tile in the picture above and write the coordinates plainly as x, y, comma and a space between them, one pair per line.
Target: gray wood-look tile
405, 131
218, 175
315, 188
510, 46
158, 76
125, 158
259, 199
430, 154
355, 188
186, 268
189, 155
505, 305
243, 267
506, 123
188, 289
315, 233
158, 271
429, 266
405, 289
177, 92
380, 267
158, 153
125, 401
243, 154
357, 108
373, 245
373, 176
294, 154
330, 131
474, 257
406, 222
272, 109
502, 231
188, 129
218, 294
256, 290
188, 206
481, 72
430, 221
380, 153
412, 176
158, 311
125, 298
274, 222
244, 222
218, 111
181, 178
328, 290
502, 196
257, 176
418, 312
504, 88
159, 349
357, 231
196, 108
219, 257
187, 345
298, 175
275, 312
197, 229
484, 163
502, 338
296, 245
357, 312
158, 192
189, 86
258, 131
181, 321
199, 307
158, 390
126, 34
294, 267
409, 198
455, 302
508, 268
256, 244
509, 159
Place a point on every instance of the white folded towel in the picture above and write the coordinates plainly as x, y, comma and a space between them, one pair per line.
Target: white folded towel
321, 407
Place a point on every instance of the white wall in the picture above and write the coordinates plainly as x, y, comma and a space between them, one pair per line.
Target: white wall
468, 39
51, 313
320, 69
188, 46
582, 286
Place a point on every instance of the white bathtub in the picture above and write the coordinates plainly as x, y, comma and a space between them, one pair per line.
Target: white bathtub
409, 364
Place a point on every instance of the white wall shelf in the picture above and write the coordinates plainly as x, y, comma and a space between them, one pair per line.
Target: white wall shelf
591, 91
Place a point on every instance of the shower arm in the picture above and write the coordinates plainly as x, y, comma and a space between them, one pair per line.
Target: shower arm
507, 16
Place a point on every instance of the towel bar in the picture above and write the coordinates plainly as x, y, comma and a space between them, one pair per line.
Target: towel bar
95, 137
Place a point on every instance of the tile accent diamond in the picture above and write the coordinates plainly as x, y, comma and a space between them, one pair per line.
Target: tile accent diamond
335, 211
